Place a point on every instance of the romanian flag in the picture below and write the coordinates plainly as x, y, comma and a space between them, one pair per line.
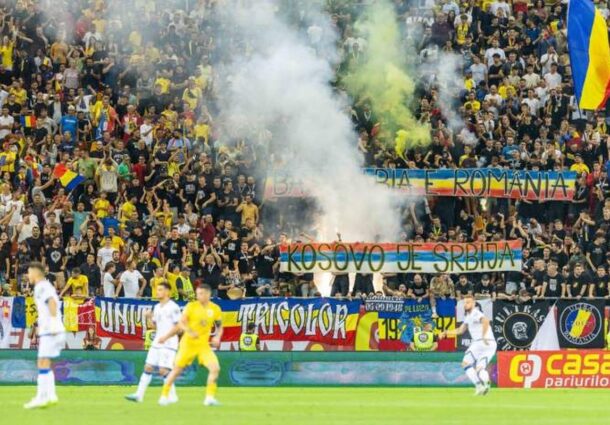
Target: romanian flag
589, 54
28, 121
68, 179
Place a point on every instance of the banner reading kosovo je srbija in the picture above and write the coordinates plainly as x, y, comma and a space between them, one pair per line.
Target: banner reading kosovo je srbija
404, 257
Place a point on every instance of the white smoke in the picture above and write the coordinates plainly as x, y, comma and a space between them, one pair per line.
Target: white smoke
282, 83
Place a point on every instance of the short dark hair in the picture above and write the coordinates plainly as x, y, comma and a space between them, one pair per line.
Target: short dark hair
38, 266
205, 286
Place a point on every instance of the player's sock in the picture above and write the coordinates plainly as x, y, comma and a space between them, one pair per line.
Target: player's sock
172, 392
210, 390
41, 381
145, 379
51, 385
165, 390
472, 375
484, 376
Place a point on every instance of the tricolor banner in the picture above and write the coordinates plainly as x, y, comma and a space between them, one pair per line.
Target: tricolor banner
479, 182
321, 320
407, 257
463, 182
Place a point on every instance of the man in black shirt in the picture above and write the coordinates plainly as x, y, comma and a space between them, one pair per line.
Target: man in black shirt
538, 273
602, 284
242, 260
175, 248
418, 289
578, 282
463, 287
484, 289
36, 244
554, 282
55, 259
91, 270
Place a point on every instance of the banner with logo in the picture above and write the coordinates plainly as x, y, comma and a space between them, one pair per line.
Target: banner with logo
479, 182
515, 325
468, 182
6, 321
408, 257
391, 327
554, 369
580, 323
485, 305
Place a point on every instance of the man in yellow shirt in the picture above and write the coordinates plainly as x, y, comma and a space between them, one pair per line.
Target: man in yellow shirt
78, 283
248, 210
198, 320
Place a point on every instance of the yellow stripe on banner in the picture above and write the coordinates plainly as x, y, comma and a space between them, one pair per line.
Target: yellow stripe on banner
598, 72
581, 320
229, 318
364, 331
31, 314
70, 314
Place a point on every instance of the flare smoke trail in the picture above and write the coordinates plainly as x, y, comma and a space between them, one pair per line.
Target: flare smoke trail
383, 78
280, 83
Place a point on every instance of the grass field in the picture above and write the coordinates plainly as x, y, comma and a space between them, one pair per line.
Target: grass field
313, 406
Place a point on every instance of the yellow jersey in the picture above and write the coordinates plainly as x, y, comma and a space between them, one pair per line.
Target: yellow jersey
79, 285
201, 319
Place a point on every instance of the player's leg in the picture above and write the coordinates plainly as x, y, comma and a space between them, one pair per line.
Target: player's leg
184, 357
49, 347
145, 379
487, 355
208, 359
469, 364
166, 364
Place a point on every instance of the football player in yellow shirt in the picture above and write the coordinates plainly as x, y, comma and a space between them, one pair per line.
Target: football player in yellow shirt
198, 319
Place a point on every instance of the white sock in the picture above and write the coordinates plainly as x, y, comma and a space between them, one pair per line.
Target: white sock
484, 375
40, 387
145, 379
472, 375
172, 389
51, 385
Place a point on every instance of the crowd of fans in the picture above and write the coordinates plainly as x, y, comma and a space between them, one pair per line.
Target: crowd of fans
129, 103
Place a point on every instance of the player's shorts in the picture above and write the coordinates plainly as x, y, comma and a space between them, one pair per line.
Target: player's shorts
187, 353
50, 345
479, 353
161, 357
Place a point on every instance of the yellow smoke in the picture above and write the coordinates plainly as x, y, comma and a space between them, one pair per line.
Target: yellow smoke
381, 78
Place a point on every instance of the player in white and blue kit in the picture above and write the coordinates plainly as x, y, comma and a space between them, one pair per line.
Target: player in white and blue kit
482, 345
51, 335
165, 316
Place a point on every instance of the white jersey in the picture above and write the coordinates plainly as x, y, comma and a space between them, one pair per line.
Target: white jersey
43, 292
474, 321
165, 317
131, 283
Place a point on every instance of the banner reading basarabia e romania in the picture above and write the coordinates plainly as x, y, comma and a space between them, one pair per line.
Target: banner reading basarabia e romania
321, 320
467, 182
409, 257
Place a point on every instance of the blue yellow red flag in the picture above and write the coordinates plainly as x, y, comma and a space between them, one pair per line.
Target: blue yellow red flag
589, 54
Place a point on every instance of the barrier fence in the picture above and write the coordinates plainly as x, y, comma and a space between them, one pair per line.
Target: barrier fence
249, 369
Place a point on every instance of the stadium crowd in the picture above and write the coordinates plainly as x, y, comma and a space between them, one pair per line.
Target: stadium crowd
128, 103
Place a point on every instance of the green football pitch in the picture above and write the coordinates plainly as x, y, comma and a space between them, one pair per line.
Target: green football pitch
313, 406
